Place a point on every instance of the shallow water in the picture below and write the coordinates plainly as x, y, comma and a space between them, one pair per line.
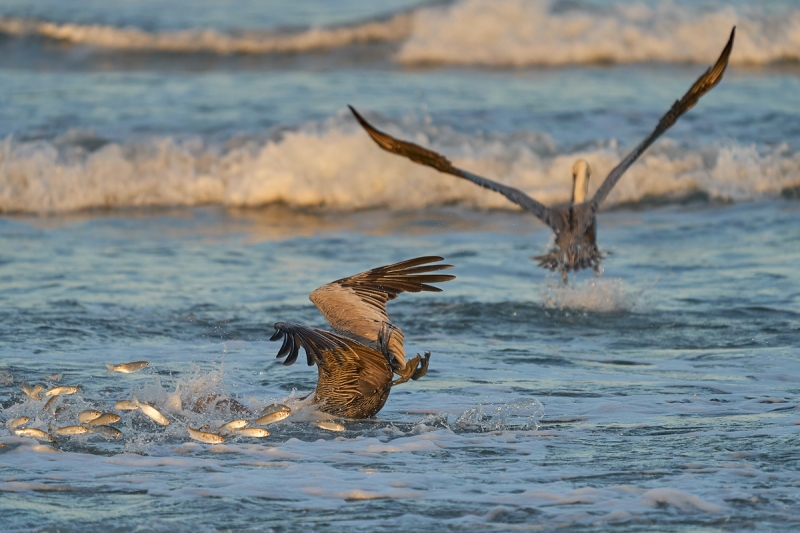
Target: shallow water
170, 204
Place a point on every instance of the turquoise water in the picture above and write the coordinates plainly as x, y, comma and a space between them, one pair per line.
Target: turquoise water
170, 205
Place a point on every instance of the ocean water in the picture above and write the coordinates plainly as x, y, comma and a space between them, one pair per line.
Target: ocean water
177, 176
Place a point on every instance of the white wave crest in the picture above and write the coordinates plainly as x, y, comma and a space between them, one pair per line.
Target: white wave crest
488, 32
209, 40
528, 32
336, 166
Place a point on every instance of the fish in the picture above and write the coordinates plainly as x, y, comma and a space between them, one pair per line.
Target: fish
232, 426
34, 393
104, 419
62, 391
53, 377
125, 405
251, 432
150, 411
203, 436
50, 403
34, 433
6, 379
126, 368
14, 423
88, 415
71, 430
271, 418
107, 431
274, 408
330, 426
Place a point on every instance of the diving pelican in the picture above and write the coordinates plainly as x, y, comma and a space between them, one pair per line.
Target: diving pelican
357, 361
574, 225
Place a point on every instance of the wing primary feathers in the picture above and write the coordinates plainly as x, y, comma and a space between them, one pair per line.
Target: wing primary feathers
429, 158
294, 351
286, 347
356, 306
704, 83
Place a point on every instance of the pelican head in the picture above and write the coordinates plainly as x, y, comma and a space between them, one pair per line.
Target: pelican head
581, 172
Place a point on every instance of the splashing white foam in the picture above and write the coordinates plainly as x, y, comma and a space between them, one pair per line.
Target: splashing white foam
209, 40
599, 295
336, 166
528, 32
488, 32
523, 414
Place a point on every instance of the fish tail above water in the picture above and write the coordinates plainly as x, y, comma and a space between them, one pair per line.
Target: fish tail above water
109, 368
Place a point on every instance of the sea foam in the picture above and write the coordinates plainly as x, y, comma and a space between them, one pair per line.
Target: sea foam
333, 165
210, 40
521, 32
486, 32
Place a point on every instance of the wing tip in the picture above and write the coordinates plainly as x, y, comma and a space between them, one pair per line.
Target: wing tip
361, 120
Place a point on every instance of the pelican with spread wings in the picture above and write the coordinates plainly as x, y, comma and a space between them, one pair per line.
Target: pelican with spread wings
358, 360
574, 225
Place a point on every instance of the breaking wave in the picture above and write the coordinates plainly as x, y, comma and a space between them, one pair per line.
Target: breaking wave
335, 166
519, 33
487, 32
210, 40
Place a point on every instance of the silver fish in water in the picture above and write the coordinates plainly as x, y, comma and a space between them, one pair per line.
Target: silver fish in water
34, 393
232, 425
62, 391
126, 368
53, 377
14, 423
251, 432
275, 408
50, 403
203, 436
88, 415
151, 412
34, 433
71, 430
329, 426
125, 405
109, 432
272, 414
104, 419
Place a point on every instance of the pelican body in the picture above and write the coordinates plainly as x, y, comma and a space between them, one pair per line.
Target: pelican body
574, 225
356, 362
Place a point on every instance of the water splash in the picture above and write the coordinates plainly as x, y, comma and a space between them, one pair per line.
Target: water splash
519, 415
599, 295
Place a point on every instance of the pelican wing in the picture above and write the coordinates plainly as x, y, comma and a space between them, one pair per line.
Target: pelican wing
429, 158
353, 367
704, 84
356, 306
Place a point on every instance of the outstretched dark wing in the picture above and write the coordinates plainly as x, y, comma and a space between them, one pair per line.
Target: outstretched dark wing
429, 158
320, 346
357, 305
344, 364
705, 83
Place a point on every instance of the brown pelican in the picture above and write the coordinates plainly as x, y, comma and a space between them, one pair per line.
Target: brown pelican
574, 226
358, 360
